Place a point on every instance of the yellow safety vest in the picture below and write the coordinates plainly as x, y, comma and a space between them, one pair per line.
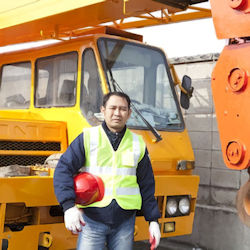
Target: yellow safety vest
116, 168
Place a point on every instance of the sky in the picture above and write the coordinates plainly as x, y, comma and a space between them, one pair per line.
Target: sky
179, 39
186, 38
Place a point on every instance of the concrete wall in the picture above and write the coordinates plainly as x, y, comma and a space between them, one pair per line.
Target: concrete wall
216, 224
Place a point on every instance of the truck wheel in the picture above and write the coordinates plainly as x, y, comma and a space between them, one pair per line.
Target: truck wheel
243, 203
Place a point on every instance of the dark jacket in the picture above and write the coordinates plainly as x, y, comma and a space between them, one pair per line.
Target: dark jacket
74, 158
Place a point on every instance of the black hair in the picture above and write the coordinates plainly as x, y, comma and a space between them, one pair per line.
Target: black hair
121, 94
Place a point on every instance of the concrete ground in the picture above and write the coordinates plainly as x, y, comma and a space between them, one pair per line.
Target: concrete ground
143, 245
165, 244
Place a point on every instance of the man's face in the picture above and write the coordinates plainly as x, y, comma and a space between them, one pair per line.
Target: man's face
116, 113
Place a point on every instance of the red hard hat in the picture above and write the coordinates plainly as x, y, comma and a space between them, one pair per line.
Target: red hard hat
89, 188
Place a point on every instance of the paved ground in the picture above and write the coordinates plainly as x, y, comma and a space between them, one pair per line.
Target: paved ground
146, 246
165, 244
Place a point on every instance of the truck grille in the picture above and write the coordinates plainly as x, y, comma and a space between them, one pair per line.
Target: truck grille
24, 160
30, 146
30, 142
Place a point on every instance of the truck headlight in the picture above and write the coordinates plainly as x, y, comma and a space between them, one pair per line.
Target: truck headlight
184, 205
172, 206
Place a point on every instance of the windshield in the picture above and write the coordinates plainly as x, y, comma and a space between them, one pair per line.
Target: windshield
141, 72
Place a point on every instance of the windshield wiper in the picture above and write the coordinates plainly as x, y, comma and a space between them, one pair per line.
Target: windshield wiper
109, 63
149, 126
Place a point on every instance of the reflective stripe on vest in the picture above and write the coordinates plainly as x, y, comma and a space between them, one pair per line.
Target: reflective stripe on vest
108, 170
116, 168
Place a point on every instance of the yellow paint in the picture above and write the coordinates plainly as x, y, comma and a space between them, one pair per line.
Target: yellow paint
33, 20
12, 12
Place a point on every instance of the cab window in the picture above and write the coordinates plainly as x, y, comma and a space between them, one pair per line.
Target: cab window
15, 84
91, 92
142, 72
56, 78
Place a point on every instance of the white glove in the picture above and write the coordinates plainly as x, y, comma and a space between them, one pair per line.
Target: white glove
73, 219
155, 234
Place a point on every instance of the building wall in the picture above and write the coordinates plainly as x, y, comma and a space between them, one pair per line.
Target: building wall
216, 224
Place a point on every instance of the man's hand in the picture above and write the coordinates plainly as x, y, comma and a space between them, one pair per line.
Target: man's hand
73, 220
155, 234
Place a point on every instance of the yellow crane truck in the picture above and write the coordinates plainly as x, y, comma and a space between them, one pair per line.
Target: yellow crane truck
49, 93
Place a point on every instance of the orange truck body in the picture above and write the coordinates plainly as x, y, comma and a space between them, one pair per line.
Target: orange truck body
231, 91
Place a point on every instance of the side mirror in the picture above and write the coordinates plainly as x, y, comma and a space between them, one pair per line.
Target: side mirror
186, 91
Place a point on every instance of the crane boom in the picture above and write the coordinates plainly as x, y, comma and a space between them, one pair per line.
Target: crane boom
56, 19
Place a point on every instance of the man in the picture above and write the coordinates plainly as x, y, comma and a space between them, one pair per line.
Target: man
121, 159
